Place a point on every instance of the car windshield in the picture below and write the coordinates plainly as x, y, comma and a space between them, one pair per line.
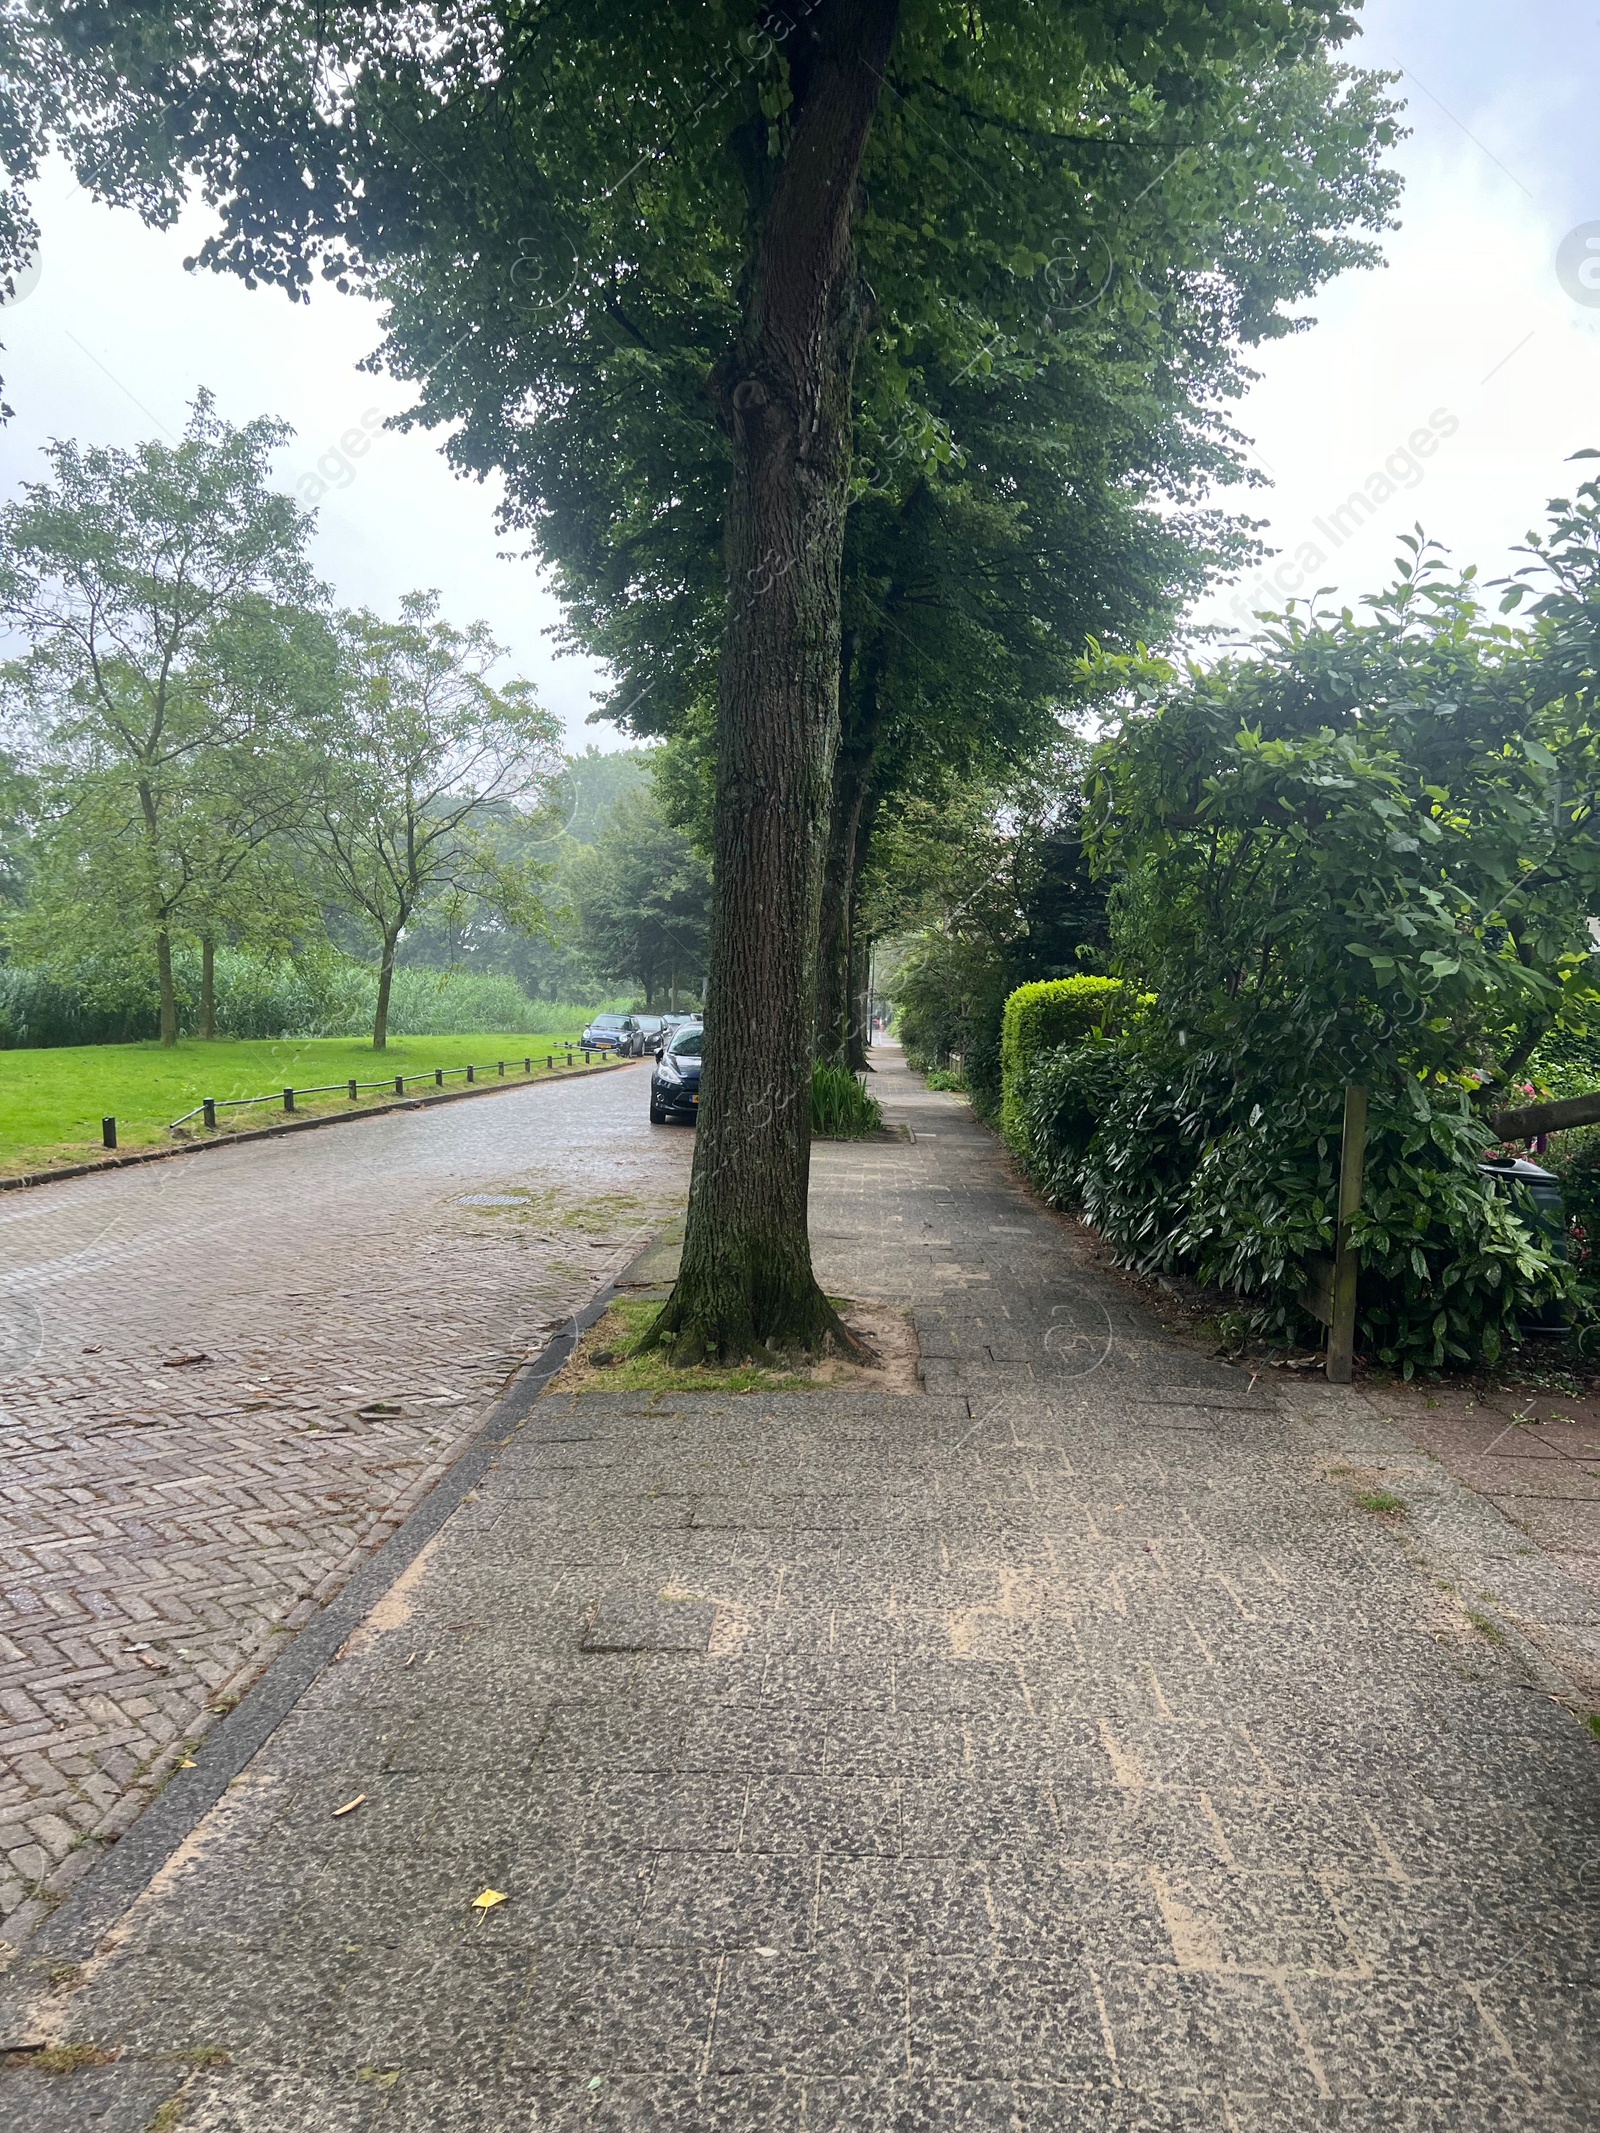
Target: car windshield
687, 1045
607, 1022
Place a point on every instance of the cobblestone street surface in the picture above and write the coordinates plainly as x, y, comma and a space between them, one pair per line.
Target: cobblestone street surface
1062, 1748
254, 1362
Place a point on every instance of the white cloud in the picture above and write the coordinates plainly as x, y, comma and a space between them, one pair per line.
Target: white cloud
115, 337
1467, 318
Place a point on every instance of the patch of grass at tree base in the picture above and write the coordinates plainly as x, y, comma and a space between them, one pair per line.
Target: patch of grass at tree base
607, 1361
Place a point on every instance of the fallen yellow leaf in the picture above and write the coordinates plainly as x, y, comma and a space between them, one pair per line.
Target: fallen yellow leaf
187, 1763
488, 1900
349, 1806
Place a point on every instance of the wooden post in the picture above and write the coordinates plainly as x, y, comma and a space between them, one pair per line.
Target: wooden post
208, 1111
352, 1092
108, 1133
1352, 1162
399, 1084
288, 1099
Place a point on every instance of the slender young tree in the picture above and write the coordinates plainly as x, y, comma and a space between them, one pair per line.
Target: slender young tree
170, 619
411, 759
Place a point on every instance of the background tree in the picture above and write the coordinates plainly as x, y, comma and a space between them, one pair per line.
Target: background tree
416, 750
561, 210
643, 896
171, 622
984, 886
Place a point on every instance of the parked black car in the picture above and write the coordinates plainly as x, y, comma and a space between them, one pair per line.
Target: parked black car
653, 1033
612, 1033
675, 1079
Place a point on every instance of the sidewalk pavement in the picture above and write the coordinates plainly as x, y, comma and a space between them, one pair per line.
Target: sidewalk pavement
1062, 1748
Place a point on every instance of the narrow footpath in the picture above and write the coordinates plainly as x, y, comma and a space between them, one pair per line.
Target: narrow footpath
1064, 1747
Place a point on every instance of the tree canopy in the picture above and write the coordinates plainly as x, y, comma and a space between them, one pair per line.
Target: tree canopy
172, 629
696, 296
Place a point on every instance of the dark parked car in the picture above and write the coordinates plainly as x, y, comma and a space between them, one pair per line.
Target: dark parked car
653, 1033
675, 1080
613, 1033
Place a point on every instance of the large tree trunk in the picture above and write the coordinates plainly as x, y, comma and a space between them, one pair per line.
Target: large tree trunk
208, 986
380, 1021
785, 395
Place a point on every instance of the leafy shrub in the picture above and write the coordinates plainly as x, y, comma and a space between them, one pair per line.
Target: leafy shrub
946, 1081
1184, 1173
311, 996
1043, 1017
39, 1008
841, 1109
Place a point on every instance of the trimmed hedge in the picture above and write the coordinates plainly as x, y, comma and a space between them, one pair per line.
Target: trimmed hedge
1043, 1018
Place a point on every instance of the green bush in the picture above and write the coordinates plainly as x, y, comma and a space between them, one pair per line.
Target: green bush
841, 1109
320, 995
948, 999
946, 1081
1041, 1018
1184, 1172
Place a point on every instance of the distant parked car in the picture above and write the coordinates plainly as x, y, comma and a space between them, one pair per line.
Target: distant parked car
612, 1033
652, 1033
675, 1079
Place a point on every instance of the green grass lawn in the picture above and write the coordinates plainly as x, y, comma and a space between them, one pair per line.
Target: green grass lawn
52, 1101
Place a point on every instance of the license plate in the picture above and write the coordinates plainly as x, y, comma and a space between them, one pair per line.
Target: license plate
694, 1099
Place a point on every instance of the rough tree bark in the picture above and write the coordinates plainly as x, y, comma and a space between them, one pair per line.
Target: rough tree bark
784, 395
380, 1020
169, 991
208, 986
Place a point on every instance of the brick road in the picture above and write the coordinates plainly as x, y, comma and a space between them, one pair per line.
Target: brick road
164, 1521
1061, 1750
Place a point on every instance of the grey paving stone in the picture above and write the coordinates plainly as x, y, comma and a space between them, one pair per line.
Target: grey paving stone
648, 2011
813, 2014
1062, 1753
259, 2100
644, 1625
1191, 2030
121, 2098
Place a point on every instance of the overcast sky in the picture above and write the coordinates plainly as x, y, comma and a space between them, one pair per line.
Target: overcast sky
1460, 376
